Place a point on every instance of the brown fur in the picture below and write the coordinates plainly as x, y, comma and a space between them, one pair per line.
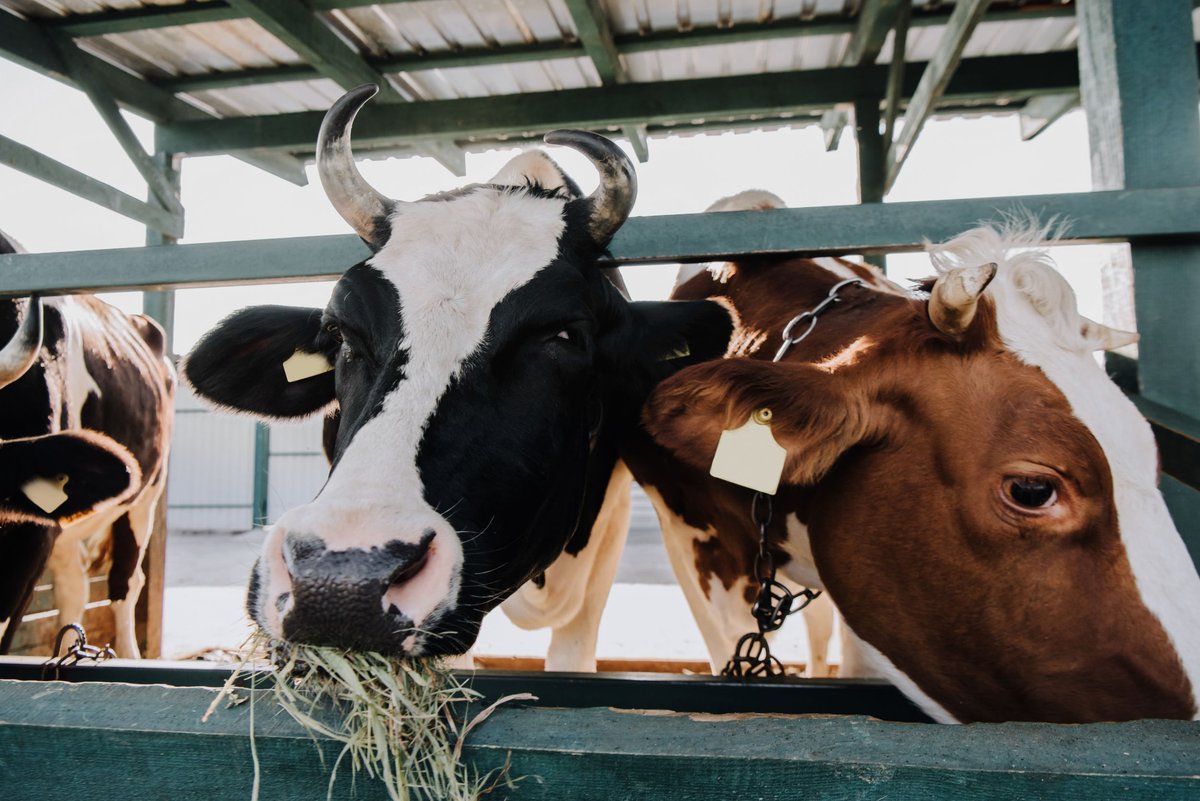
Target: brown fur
896, 459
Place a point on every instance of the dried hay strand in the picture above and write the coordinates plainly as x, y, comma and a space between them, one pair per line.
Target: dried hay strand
402, 721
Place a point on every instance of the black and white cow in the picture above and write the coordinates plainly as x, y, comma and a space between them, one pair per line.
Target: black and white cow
86, 397
483, 371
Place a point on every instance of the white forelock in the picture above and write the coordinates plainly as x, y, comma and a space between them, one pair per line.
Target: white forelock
1039, 322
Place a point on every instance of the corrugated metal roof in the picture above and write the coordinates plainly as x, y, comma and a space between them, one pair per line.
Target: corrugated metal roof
450, 26
404, 40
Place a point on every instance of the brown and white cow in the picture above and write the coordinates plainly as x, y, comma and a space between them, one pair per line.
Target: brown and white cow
86, 394
975, 494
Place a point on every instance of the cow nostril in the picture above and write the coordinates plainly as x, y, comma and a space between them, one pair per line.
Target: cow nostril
409, 569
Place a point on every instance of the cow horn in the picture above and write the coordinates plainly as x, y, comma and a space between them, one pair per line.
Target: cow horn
613, 199
1103, 337
955, 295
22, 350
358, 203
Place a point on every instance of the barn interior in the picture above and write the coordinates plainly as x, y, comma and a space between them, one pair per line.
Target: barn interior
252, 79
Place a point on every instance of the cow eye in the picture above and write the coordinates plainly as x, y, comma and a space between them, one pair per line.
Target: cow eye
333, 331
1031, 492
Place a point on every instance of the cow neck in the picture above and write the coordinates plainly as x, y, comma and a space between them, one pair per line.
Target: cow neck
775, 602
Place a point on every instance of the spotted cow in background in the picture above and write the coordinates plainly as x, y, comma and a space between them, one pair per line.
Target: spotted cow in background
86, 394
963, 479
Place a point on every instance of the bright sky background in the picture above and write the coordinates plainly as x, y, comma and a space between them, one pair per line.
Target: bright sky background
227, 200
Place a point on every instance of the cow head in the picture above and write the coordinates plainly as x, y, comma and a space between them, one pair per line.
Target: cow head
91, 471
980, 498
482, 365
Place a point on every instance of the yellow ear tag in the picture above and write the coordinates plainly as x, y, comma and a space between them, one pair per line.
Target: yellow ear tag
301, 365
46, 493
750, 456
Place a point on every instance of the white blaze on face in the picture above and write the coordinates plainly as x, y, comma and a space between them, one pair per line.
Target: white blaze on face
1040, 324
452, 262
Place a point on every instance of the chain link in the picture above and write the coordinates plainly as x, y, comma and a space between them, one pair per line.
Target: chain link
752, 656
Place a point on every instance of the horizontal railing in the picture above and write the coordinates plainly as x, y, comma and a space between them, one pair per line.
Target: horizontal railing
1111, 216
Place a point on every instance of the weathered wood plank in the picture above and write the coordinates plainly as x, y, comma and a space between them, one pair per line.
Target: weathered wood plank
890, 227
589, 753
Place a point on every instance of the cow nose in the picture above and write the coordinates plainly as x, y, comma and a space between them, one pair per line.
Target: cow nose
338, 598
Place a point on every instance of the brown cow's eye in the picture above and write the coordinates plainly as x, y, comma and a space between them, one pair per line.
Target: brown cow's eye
1031, 492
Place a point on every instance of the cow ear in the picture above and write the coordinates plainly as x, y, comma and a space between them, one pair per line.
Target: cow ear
679, 333
60, 476
240, 363
813, 417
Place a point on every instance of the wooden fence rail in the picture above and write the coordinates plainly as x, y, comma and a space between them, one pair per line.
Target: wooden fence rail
148, 742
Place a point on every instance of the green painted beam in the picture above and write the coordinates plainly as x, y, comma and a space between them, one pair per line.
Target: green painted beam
166, 192
308, 33
896, 75
595, 754
934, 79
540, 51
27, 44
1041, 112
295, 24
872, 228
35, 164
875, 19
595, 34
615, 106
100, 23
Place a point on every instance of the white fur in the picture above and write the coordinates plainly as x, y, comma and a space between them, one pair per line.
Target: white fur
1039, 322
451, 263
876, 664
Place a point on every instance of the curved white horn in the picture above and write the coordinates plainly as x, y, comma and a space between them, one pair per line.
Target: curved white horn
1102, 337
22, 350
954, 297
359, 204
613, 199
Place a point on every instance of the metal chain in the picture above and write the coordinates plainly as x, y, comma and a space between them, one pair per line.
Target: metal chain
752, 656
79, 651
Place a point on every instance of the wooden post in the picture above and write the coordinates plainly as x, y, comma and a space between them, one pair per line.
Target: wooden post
160, 306
1138, 81
872, 158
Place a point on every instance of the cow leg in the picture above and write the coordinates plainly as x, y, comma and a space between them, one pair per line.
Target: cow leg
131, 533
722, 614
571, 599
820, 617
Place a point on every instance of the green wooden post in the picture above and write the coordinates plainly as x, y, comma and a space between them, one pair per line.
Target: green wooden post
262, 472
872, 159
161, 307
1138, 80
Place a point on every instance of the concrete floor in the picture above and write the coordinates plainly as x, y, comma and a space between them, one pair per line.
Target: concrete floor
206, 582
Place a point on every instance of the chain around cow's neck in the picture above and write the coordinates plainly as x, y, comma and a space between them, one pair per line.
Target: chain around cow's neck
752, 656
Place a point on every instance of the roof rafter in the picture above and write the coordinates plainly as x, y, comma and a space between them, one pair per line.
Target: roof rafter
773, 96
934, 80
28, 45
595, 33
297, 26
624, 45
875, 19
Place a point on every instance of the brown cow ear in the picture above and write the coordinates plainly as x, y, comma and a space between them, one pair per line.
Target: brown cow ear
814, 416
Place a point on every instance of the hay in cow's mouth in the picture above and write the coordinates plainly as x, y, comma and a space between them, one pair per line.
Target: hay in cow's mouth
402, 721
